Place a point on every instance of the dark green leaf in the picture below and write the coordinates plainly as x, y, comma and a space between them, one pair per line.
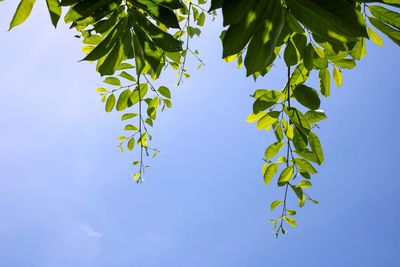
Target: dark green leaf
55, 11
307, 96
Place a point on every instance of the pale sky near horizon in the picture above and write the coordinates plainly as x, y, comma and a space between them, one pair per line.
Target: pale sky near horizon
67, 196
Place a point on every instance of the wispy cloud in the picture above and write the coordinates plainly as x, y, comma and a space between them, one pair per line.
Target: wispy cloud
91, 232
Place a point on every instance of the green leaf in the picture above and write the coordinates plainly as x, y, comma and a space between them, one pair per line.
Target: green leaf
272, 150
390, 17
270, 172
128, 116
267, 120
299, 75
325, 82
110, 103
130, 127
238, 35
298, 191
291, 212
278, 131
316, 147
131, 144
307, 96
164, 91
285, 175
304, 165
337, 76
261, 49
113, 81
127, 76
275, 204
308, 155
55, 11
22, 13
123, 100
375, 37
255, 117
338, 21
304, 184
308, 57
314, 116
101, 90
138, 95
292, 222
300, 140
143, 140
294, 49
261, 105
389, 31
298, 119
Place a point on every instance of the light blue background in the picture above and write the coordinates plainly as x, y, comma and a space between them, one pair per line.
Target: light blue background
67, 197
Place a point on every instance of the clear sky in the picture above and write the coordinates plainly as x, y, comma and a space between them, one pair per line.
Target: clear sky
67, 197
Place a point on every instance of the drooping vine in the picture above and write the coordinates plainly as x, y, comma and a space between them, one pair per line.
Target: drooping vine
136, 40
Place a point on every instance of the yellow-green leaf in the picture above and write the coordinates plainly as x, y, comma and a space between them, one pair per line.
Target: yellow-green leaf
22, 13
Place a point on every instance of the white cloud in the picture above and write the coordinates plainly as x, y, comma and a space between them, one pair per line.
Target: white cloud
91, 232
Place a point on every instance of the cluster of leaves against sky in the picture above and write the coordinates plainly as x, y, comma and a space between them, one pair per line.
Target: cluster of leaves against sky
134, 41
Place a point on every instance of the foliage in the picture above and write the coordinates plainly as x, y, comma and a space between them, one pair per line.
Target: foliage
133, 41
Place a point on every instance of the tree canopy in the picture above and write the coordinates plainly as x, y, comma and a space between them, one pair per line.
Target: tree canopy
134, 41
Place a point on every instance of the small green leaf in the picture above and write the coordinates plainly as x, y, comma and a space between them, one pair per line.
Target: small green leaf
298, 191
130, 127
337, 76
270, 172
375, 37
304, 165
22, 13
136, 176
308, 57
285, 176
113, 81
304, 184
314, 116
298, 119
164, 91
272, 150
101, 90
131, 144
55, 11
316, 147
291, 212
275, 204
307, 96
255, 117
123, 100
110, 103
127, 76
121, 138
292, 222
325, 82
128, 116
267, 120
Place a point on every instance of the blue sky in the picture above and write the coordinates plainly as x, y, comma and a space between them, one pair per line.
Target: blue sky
67, 197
